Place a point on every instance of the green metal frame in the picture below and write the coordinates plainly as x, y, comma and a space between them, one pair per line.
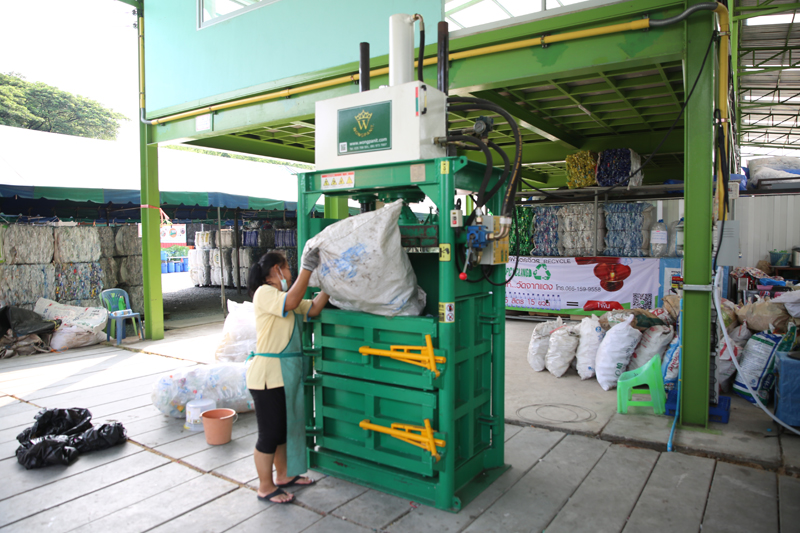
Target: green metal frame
621, 90
465, 403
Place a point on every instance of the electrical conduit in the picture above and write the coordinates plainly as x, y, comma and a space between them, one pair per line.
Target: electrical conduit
516, 45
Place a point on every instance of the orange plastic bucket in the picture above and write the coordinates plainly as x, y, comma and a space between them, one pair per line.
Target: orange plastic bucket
218, 425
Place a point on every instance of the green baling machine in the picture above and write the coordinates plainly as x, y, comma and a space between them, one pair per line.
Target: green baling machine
414, 405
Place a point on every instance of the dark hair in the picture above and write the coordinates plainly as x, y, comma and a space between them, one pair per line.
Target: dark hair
259, 271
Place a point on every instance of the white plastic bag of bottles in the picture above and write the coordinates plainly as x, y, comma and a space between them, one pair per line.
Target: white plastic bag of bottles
591, 335
658, 239
238, 333
363, 266
675, 239
540, 343
224, 383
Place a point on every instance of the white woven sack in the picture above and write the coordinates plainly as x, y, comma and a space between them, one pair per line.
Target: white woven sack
363, 266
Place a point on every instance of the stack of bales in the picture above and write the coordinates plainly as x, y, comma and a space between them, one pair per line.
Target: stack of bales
108, 264
286, 242
79, 277
222, 265
200, 266
27, 273
128, 250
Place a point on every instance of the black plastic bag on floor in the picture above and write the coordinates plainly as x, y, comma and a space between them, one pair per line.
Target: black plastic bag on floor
100, 438
72, 421
59, 435
46, 451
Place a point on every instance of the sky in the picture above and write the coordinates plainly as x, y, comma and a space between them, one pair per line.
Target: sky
87, 48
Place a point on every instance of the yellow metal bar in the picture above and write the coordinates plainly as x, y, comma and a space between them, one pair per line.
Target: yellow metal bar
724, 29
419, 436
421, 356
525, 43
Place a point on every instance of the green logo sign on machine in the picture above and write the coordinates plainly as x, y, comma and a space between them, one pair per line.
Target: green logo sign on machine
366, 128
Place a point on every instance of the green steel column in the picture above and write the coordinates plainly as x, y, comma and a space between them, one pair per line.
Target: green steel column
735, 72
697, 247
336, 207
151, 238
447, 339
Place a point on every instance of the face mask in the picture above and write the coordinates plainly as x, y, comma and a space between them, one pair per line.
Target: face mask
284, 284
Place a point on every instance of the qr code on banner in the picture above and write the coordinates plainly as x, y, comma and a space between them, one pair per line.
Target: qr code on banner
642, 301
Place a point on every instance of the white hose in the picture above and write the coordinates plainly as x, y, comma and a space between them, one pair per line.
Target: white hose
728, 343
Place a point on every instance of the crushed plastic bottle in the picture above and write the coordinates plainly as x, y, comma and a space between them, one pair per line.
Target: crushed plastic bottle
658, 239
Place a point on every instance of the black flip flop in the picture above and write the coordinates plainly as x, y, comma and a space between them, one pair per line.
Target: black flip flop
294, 482
278, 492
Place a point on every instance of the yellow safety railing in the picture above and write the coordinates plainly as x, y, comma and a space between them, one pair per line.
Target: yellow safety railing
421, 437
414, 355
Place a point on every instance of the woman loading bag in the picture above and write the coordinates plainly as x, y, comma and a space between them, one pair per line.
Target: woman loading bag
275, 376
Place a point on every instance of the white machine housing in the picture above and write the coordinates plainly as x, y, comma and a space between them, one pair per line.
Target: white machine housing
418, 115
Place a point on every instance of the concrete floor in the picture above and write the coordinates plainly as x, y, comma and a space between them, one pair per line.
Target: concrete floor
168, 479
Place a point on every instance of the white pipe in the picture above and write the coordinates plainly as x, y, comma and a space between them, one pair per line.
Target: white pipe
728, 344
401, 49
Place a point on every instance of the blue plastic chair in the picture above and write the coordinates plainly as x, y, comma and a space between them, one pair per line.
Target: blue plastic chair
119, 310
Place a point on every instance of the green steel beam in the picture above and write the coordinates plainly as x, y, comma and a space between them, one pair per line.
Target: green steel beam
531, 121
641, 143
766, 12
336, 207
236, 143
696, 321
761, 7
134, 3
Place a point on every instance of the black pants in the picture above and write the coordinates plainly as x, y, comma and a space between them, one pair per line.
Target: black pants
270, 407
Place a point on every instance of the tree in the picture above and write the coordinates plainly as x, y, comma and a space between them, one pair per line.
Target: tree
38, 106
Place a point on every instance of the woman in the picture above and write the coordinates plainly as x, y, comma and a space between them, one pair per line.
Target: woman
274, 377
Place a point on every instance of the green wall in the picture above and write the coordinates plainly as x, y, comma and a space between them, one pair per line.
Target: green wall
187, 67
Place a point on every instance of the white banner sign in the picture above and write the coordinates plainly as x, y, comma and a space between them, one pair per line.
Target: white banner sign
173, 234
579, 285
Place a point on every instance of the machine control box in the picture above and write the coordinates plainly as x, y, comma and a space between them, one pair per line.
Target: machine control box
456, 218
381, 126
493, 252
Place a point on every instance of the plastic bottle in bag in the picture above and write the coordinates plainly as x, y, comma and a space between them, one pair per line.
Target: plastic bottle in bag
658, 239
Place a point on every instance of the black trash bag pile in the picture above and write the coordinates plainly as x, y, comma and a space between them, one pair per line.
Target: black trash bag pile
59, 435
23, 332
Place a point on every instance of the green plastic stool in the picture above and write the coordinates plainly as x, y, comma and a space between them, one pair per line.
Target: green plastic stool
649, 375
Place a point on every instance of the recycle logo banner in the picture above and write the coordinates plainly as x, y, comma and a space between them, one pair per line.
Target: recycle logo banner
583, 285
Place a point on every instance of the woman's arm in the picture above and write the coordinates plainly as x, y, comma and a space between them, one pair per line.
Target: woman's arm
318, 304
297, 291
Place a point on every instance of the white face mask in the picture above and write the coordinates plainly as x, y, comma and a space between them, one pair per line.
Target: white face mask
284, 284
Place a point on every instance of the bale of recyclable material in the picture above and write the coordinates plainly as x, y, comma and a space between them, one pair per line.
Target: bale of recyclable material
226, 238
28, 245
131, 270
128, 241
78, 281
217, 274
25, 284
581, 169
286, 238
250, 256
261, 238
199, 258
628, 229
205, 239
200, 276
191, 230
110, 270
95, 302
614, 167
545, 235
107, 236
76, 244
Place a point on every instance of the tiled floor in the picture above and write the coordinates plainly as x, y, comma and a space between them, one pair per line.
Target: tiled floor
168, 479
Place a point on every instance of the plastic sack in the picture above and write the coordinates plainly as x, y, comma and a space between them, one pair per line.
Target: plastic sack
729, 315
226, 384
670, 364
80, 326
763, 314
642, 319
238, 333
591, 335
758, 367
615, 352
561, 348
664, 316
791, 301
654, 342
57, 422
540, 342
725, 367
363, 266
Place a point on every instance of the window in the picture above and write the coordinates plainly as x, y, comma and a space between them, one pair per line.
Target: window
213, 11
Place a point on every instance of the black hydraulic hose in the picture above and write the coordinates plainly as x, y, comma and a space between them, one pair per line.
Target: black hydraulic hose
443, 54
421, 45
479, 103
482, 146
506, 169
707, 6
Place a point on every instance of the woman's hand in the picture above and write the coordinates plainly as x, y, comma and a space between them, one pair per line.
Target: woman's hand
318, 304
